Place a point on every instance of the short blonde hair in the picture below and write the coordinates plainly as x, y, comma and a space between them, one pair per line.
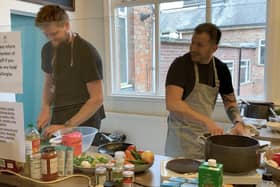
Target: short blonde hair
51, 14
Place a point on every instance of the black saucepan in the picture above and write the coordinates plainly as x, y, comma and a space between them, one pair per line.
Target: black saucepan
238, 154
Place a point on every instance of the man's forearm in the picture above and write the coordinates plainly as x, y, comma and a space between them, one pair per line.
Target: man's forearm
231, 107
87, 110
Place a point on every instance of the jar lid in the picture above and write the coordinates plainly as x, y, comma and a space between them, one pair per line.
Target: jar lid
119, 155
109, 184
117, 169
100, 170
129, 166
267, 176
212, 162
110, 165
48, 149
128, 173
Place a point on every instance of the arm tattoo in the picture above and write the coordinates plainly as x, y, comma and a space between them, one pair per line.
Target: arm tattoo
233, 113
229, 99
230, 104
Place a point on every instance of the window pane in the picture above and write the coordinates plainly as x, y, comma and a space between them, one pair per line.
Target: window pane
134, 50
177, 21
241, 40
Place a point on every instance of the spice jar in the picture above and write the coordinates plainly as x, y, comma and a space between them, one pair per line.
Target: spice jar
129, 167
100, 176
109, 167
117, 176
128, 179
49, 164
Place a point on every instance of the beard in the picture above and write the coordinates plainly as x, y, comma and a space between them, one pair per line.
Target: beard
61, 41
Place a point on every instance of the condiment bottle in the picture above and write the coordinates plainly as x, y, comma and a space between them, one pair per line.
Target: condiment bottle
119, 158
128, 179
129, 167
267, 180
49, 164
100, 176
117, 176
35, 166
32, 146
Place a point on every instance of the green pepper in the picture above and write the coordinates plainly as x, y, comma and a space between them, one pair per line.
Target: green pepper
136, 155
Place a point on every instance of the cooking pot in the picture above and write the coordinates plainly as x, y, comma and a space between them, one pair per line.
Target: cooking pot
259, 110
238, 154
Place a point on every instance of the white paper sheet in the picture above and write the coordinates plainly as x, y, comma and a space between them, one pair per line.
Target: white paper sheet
12, 141
10, 62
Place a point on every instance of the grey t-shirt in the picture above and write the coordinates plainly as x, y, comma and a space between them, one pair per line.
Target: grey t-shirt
70, 80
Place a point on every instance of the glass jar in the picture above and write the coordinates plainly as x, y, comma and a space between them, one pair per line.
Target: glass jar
109, 167
128, 179
117, 175
100, 176
129, 167
267, 180
35, 166
49, 164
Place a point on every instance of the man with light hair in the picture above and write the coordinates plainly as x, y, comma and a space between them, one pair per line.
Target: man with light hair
73, 87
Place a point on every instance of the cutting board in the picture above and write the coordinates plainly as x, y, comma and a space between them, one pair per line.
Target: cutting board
251, 178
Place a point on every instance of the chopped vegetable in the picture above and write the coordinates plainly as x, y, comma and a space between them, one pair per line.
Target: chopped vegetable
131, 147
89, 161
135, 155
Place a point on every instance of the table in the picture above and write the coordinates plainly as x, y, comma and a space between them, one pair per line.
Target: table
149, 178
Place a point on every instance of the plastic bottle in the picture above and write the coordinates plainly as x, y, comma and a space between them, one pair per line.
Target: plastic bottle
32, 146
267, 180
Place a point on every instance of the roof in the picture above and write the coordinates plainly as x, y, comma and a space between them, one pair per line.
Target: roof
232, 13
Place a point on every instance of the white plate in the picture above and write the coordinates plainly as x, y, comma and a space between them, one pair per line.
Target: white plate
273, 125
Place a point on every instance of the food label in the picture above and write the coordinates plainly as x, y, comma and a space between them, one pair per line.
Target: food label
32, 147
35, 146
28, 147
52, 163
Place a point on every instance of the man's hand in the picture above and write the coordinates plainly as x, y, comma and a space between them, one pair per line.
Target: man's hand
214, 129
240, 129
44, 118
52, 129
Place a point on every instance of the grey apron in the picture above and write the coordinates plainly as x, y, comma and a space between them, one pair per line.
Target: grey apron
183, 135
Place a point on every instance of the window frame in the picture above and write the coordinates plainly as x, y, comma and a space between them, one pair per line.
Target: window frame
248, 71
233, 69
156, 3
260, 52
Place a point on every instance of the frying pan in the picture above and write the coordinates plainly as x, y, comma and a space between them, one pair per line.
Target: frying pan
111, 148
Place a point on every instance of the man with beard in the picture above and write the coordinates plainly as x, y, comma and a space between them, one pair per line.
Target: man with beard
192, 86
73, 88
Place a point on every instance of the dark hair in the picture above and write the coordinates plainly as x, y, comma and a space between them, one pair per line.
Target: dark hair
51, 13
211, 29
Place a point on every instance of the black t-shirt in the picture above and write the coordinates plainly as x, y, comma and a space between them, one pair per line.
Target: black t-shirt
181, 73
70, 80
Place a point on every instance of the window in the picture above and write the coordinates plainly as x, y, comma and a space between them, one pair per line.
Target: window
261, 52
230, 65
244, 71
148, 35
134, 50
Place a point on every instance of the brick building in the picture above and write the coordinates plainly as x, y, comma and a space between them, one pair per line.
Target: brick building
242, 46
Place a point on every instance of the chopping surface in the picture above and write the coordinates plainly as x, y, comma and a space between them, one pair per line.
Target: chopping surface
183, 165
